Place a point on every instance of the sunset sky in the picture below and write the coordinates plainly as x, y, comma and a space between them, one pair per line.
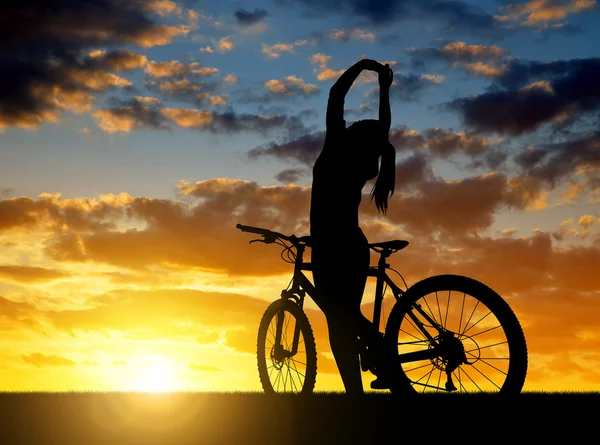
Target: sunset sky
135, 135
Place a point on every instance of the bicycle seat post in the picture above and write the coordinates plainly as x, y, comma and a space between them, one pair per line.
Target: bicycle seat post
381, 266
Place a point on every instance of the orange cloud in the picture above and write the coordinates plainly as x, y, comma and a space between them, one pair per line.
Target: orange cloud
39, 360
541, 12
274, 51
31, 274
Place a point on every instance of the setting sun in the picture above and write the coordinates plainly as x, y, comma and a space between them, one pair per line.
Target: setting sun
155, 378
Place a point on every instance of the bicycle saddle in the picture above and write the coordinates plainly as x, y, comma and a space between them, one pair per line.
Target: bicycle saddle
397, 244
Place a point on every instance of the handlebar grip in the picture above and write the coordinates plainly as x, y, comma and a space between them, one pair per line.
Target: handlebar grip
252, 229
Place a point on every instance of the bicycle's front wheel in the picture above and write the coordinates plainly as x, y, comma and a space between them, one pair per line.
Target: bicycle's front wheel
291, 365
481, 347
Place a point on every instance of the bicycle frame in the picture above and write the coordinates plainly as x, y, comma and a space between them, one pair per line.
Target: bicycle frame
301, 285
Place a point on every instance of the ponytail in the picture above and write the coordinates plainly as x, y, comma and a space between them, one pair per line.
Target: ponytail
384, 186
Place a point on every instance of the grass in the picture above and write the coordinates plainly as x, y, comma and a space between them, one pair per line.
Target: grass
90, 418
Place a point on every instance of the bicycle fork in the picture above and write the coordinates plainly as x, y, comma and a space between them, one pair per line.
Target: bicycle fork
280, 353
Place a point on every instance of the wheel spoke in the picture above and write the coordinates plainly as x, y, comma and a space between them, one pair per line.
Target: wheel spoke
413, 336
296, 369
426, 374
447, 307
427, 382
467, 374
473, 325
438, 305
488, 379
412, 324
489, 364
461, 312
470, 316
430, 311
487, 330
489, 346
460, 381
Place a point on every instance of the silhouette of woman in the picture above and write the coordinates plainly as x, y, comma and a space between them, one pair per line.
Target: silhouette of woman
340, 253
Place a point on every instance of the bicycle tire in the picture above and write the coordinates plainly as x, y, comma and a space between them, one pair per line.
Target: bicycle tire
515, 345
267, 366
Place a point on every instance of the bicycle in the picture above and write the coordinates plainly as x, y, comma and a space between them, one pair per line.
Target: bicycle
457, 338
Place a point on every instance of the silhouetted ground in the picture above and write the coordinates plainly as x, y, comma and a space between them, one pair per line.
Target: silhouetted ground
333, 418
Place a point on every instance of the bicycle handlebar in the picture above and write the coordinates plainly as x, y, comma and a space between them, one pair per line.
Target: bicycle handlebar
271, 236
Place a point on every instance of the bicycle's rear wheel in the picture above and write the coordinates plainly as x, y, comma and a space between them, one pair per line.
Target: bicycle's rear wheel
278, 371
490, 334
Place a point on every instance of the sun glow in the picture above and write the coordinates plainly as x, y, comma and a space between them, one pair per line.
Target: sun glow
155, 378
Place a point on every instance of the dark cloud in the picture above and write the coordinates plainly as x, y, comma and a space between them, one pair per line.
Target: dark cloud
434, 142
451, 14
530, 94
124, 116
247, 18
45, 53
412, 170
303, 149
408, 87
291, 175
554, 162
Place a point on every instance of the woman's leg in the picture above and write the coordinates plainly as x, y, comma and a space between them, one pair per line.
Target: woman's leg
344, 345
339, 293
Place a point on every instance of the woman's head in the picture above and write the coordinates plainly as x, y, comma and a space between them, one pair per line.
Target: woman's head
368, 141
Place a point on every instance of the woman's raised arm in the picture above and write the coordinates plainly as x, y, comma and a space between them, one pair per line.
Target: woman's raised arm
386, 76
337, 94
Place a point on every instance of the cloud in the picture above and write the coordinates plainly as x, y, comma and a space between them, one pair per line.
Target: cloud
554, 162
247, 18
459, 51
128, 115
117, 60
222, 45
433, 78
176, 68
291, 175
147, 112
48, 51
323, 72
453, 15
274, 51
435, 142
344, 35
157, 309
457, 208
203, 368
51, 212
480, 60
165, 7
303, 149
524, 103
407, 87
490, 69
230, 122
291, 86
539, 13
18, 315
39, 360
31, 274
